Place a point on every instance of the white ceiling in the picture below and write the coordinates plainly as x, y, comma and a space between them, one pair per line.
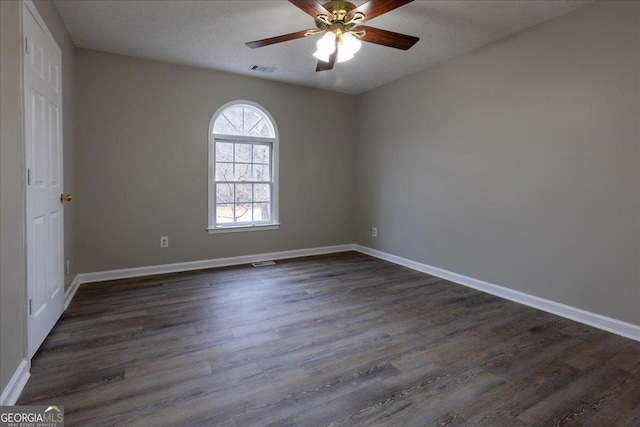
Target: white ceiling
212, 34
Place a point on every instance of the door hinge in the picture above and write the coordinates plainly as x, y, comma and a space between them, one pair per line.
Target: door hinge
30, 306
28, 176
26, 44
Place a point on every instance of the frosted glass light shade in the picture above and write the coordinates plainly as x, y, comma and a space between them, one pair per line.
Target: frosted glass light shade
348, 47
350, 43
326, 46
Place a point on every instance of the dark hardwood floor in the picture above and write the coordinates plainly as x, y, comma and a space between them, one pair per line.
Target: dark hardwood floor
335, 340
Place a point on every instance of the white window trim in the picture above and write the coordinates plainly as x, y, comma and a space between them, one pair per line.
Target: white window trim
275, 156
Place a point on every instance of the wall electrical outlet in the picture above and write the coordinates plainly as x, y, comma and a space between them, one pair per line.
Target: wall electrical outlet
374, 232
164, 242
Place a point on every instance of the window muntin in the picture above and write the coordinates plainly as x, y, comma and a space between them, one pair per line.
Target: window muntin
243, 168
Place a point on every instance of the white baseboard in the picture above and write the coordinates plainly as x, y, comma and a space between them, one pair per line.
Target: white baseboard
608, 324
12, 391
69, 293
210, 263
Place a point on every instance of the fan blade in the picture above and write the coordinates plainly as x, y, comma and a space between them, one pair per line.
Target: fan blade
278, 39
312, 7
326, 66
387, 38
374, 8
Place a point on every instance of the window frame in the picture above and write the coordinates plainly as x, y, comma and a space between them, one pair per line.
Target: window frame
274, 223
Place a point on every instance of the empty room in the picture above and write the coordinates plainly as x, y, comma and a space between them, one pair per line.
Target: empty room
303, 213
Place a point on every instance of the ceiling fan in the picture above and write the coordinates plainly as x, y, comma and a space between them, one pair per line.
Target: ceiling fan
340, 22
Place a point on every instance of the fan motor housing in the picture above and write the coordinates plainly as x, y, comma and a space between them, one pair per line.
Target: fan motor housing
339, 8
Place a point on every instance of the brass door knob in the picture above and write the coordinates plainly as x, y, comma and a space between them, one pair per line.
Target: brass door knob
66, 197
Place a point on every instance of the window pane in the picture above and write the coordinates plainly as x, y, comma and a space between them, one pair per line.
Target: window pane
261, 193
243, 153
261, 153
243, 172
224, 214
224, 171
251, 118
244, 192
254, 131
222, 126
243, 212
262, 212
233, 116
261, 173
224, 152
224, 193
264, 129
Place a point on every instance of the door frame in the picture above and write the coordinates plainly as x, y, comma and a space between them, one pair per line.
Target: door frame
27, 6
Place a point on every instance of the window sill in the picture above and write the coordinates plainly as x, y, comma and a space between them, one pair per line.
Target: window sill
241, 228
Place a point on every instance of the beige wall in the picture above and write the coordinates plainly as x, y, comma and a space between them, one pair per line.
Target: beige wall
12, 247
143, 128
517, 164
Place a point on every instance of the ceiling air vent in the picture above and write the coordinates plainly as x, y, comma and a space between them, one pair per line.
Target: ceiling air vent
262, 68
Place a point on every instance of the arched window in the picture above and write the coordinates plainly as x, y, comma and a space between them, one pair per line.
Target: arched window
243, 168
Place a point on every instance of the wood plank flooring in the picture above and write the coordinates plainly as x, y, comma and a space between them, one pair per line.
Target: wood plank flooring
336, 340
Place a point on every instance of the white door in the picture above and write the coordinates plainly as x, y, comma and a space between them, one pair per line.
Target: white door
44, 210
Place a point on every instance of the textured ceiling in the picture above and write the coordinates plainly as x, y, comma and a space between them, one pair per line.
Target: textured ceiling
211, 34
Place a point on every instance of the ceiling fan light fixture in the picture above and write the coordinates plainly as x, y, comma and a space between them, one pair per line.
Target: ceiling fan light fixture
321, 56
326, 46
341, 23
349, 46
